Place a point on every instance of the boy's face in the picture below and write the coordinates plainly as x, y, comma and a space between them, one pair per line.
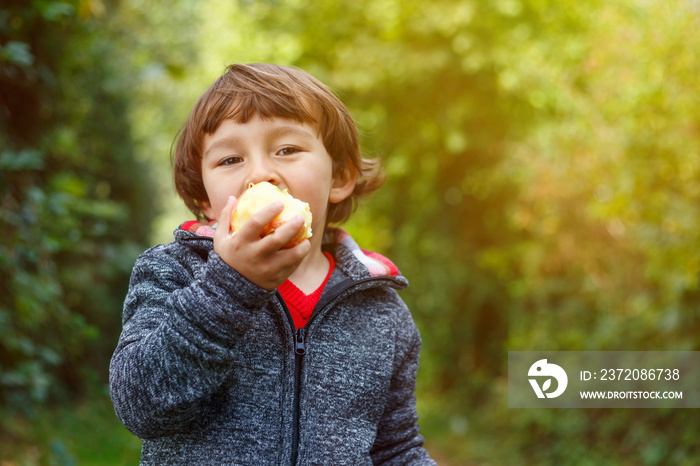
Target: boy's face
283, 152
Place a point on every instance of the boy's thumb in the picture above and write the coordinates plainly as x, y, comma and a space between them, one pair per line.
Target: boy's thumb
224, 221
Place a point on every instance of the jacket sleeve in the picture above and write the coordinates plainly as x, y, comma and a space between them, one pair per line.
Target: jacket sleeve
178, 340
398, 441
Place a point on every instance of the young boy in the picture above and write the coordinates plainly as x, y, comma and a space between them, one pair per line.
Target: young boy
236, 350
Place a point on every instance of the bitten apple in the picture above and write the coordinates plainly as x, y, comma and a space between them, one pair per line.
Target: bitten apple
262, 194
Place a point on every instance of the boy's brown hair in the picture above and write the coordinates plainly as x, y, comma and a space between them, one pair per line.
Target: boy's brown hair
270, 91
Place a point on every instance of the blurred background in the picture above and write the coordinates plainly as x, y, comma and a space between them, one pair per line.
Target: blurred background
543, 194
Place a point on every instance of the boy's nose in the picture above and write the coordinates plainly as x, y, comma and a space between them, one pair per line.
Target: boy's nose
259, 172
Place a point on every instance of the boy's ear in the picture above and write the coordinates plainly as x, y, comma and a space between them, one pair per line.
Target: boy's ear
343, 183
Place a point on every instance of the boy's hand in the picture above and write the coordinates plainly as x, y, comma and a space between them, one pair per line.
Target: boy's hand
260, 260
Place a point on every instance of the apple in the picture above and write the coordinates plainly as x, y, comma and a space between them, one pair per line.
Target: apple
262, 194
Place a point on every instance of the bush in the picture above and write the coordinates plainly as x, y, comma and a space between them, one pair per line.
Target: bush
72, 196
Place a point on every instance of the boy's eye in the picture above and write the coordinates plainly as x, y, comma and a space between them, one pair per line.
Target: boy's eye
230, 160
288, 150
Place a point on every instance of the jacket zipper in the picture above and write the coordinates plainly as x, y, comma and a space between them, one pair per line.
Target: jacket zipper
299, 352
300, 348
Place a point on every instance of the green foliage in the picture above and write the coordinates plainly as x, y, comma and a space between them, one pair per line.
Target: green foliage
72, 213
85, 434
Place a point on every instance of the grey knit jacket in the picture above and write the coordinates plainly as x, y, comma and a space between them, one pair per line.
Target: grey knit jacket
209, 369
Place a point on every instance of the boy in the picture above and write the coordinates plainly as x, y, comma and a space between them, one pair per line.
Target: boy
235, 350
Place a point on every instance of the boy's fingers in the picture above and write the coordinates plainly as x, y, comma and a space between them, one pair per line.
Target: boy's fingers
291, 258
284, 234
224, 220
297, 253
254, 228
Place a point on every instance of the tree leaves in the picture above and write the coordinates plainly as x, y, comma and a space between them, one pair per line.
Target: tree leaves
69, 220
17, 53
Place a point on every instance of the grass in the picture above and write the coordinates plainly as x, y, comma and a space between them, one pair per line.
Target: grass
85, 434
